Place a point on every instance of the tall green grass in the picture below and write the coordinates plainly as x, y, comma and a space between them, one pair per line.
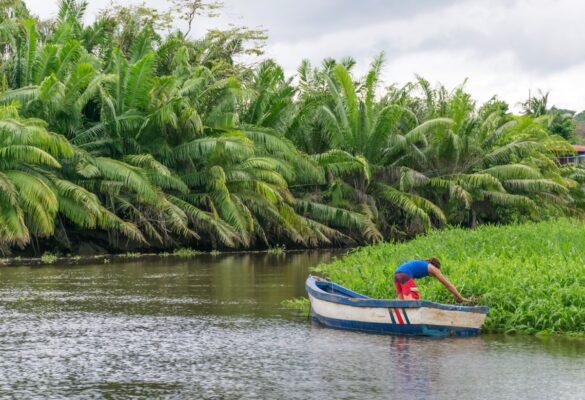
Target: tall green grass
532, 276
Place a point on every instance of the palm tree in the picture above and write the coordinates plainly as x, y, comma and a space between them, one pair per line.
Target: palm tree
486, 160
238, 171
269, 103
165, 141
366, 141
536, 106
33, 194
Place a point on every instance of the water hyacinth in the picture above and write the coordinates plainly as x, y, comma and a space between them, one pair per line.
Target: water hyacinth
532, 276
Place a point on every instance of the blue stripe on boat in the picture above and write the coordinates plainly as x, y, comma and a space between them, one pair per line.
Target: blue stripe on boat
391, 311
405, 316
403, 330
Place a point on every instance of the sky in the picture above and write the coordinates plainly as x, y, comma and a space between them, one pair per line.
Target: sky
503, 47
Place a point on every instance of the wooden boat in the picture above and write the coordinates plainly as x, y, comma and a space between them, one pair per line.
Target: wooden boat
335, 306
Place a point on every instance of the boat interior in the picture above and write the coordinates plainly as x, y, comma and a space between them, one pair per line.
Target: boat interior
333, 288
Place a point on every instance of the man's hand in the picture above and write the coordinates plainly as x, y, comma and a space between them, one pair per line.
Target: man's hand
470, 300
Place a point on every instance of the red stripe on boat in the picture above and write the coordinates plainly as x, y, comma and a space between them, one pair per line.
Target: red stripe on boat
399, 316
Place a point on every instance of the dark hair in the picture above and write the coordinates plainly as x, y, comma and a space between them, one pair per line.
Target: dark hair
435, 262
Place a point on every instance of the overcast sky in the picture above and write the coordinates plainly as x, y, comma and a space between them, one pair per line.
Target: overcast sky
504, 47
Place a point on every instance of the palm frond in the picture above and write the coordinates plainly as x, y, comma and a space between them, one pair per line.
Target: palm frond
534, 186
508, 200
404, 202
513, 171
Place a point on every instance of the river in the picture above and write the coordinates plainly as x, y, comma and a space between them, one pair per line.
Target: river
213, 327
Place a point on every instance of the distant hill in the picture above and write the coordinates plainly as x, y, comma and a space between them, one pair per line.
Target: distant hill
563, 110
580, 116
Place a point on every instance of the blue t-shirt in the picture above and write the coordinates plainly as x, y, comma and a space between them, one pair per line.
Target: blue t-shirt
415, 268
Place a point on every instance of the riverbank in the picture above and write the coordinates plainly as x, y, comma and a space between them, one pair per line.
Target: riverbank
532, 276
180, 253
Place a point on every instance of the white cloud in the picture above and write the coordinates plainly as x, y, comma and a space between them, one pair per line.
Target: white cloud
503, 47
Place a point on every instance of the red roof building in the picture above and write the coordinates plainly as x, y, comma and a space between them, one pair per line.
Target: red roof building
576, 159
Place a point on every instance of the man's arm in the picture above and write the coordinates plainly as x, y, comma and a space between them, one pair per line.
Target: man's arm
436, 272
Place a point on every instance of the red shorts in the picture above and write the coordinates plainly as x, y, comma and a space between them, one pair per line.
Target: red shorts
405, 286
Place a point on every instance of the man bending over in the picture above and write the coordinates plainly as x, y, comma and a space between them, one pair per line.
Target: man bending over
405, 275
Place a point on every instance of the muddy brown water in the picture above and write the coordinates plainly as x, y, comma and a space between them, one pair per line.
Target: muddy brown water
214, 327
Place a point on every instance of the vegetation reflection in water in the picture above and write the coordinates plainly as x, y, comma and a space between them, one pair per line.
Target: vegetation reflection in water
213, 327
231, 284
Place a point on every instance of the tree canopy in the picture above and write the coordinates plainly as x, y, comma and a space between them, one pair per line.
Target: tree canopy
127, 134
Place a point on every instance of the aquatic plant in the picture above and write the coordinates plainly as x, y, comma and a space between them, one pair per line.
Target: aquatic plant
186, 252
49, 258
532, 276
300, 304
131, 255
278, 250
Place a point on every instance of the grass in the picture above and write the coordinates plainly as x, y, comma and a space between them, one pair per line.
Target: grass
532, 276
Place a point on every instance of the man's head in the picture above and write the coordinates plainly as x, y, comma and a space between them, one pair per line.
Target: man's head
435, 262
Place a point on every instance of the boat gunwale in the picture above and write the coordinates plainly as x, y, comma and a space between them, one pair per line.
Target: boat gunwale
359, 300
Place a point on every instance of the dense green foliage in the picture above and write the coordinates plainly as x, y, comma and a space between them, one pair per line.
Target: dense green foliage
115, 134
532, 276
